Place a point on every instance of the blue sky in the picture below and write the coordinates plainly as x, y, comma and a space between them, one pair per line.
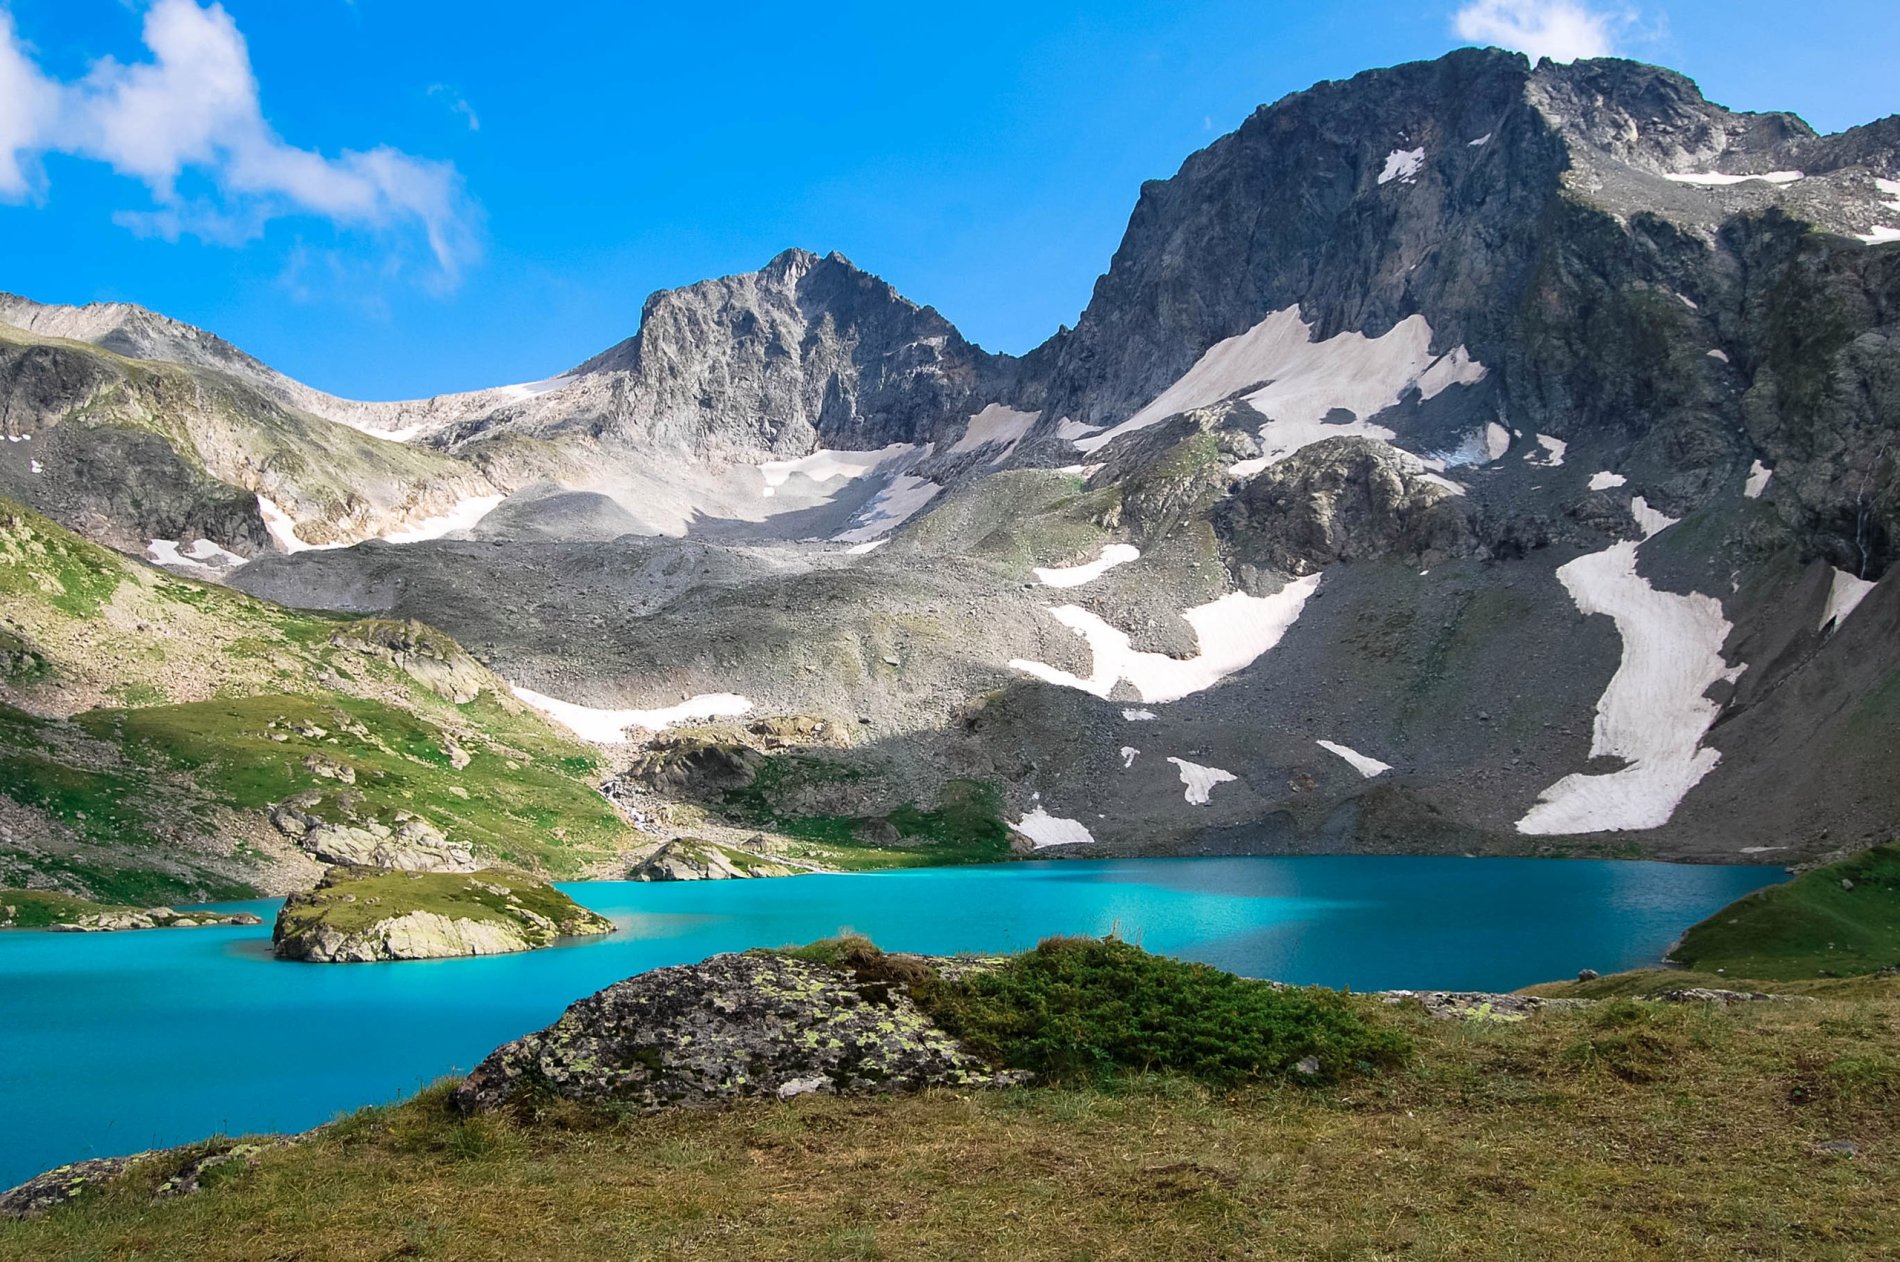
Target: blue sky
390, 198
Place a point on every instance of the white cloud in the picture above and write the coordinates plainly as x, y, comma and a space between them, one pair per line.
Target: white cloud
192, 111
28, 107
1563, 30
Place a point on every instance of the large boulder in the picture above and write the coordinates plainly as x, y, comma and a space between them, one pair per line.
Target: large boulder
358, 916
731, 1027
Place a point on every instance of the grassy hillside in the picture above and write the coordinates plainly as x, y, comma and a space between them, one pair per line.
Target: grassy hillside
149, 723
1621, 1132
224, 431
1836, 921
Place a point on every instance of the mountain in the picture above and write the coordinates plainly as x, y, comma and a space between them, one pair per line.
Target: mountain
1469, 456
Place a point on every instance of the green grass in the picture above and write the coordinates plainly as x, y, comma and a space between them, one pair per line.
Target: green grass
37, 909
1622, 1135
354, 901
518, 800
1814, 926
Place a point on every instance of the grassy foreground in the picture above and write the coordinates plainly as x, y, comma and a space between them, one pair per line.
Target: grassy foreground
1628, 1130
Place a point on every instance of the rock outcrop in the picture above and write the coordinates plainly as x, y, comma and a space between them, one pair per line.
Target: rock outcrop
426, 655
732, 1027
689, 859
409, 844
356, 916
1346, 499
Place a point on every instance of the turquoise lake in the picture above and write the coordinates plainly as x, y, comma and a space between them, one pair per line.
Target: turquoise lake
111, 1043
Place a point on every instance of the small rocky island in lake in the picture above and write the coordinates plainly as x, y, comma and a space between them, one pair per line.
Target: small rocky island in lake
50, 909
358, 915
690, 859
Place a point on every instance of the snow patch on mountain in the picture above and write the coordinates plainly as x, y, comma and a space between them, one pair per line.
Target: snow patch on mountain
1299, 383
1881, 233
1129, 754
610, 727
1367, 767
823, 465
1232, 633
1200, 781
1605, 480
1843, 597
1113, 554
1758, 475
1402, 165
1654, 713
896, 504
463, 516
1649, 520
1045, 830
995, 425
1553, 454
1715, 179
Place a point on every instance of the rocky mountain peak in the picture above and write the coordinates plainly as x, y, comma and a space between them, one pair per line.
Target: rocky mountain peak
808, 351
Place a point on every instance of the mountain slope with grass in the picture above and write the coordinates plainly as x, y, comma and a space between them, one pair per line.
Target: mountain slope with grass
1470, 456
166, 739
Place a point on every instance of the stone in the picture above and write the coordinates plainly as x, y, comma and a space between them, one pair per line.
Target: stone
1588, 975
731, 1027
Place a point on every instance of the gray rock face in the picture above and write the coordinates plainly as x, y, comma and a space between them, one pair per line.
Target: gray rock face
732, 1027
408, 845
806, 352
1345, 499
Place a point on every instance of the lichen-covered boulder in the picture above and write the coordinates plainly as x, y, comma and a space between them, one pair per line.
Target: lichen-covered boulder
731, 1027
359, 916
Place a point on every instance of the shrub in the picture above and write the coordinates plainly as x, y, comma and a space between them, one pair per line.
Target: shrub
1084, 1009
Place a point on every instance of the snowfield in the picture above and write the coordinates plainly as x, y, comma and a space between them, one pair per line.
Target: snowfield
1299, 383
896, 504
1367, 767
995, 425
610, 727
1604, 480
462, 517
1200, 781
1045, 830
1653, 715
823, 465
1232, 633
1715, 179
1113, 554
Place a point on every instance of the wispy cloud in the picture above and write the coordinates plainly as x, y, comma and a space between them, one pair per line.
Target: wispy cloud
1563, 30
456, 102
192, 110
